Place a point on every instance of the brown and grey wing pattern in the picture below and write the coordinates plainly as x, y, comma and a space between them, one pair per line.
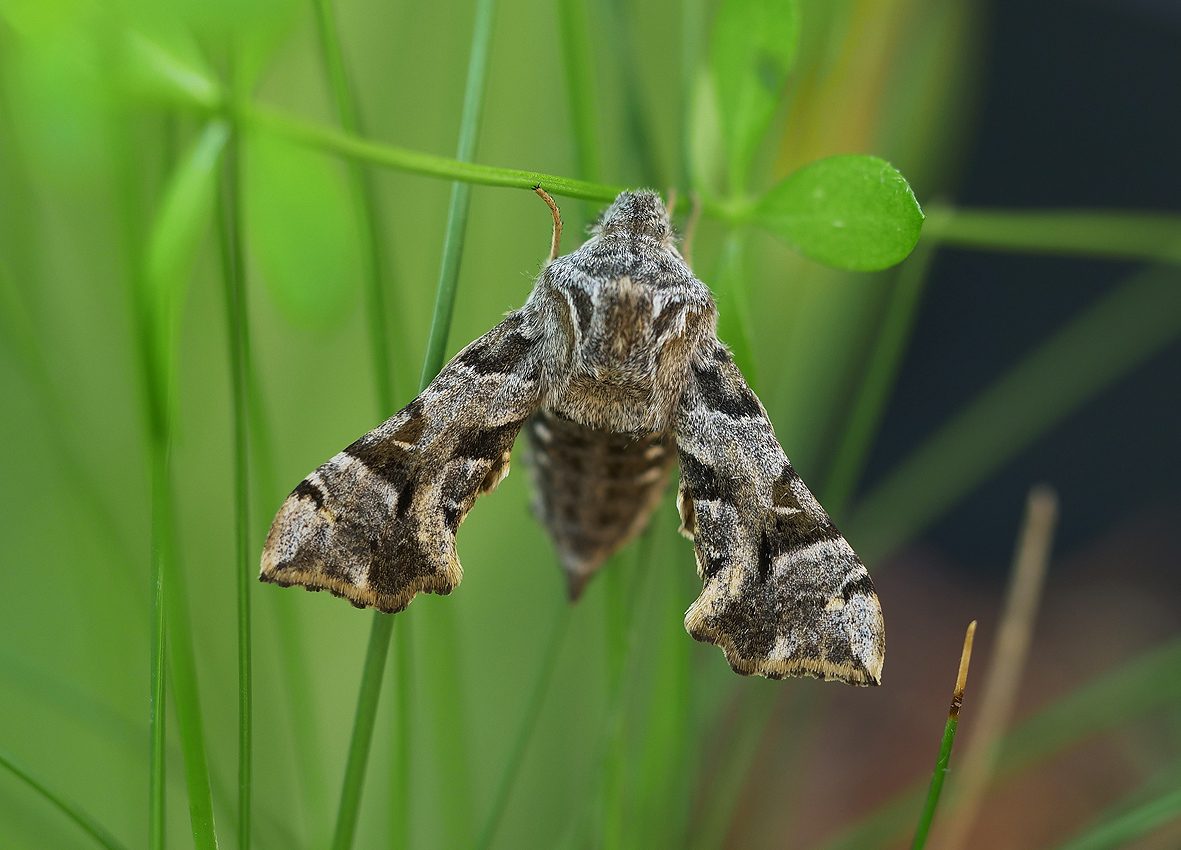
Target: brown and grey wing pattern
784, 594
376, 523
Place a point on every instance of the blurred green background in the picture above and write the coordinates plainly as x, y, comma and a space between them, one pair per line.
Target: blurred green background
919, 402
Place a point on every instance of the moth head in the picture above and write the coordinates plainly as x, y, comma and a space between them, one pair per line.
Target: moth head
633, 215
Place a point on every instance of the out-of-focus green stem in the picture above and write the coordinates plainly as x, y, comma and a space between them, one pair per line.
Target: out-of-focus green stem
580, 87
379, 637
1124, 827
528, 723
365, 193
935, 789
1121, 235
880, 374
92, 827
233, 273
363, 720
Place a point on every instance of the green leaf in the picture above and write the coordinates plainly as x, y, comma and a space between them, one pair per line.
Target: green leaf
751, 53
850, 212
303, 228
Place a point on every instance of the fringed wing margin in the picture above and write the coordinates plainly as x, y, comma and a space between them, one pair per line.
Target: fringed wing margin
376, 524
784, 593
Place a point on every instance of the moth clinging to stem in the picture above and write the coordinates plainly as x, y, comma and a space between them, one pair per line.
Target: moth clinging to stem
614, 369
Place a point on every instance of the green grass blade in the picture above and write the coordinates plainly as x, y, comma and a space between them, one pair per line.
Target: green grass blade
1123, 695
1134, 321
532, 710
379, 636
580, 88
88, 824
880, 375
363, 720
365, 192
167, 261
1124, 827
157, 679
935, 789
469, 125
640, 142
445, 684
1121, 235
233, 274
727, 781
174, 635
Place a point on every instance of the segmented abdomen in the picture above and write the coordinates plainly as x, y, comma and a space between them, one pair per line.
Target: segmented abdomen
595, 490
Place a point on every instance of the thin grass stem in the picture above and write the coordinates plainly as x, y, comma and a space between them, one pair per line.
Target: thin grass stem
181, 655
1128, 692
726, 782
446, 682
379, 636
581, 96
154, 300
944, 758
556, 637
616, 702
640, 141
87, 823
297, 680
365, 193
363, 720
237, 327
1124, 827
1013, 640
158, 697
880, 376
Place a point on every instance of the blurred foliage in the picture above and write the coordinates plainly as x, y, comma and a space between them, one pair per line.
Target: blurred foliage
114, 120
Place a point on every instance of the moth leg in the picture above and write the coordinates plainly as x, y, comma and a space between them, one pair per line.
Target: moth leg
783, 592
376, 524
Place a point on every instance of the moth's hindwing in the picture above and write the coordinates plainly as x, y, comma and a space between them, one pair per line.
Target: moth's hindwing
784, 594
376, 524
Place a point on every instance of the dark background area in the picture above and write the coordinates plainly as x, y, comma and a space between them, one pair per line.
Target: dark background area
1053, 131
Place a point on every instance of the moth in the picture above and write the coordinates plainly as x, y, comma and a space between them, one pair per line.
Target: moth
614, 370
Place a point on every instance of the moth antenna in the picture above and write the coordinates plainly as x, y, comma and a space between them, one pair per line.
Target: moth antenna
691, 228
556, 241
671, 204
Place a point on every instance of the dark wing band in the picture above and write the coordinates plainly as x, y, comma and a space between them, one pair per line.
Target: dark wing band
376, 524
784, 594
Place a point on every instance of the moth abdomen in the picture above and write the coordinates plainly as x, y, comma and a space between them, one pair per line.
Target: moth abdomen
595, 489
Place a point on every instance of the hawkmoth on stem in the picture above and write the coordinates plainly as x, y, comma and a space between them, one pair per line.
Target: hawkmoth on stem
614, 369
